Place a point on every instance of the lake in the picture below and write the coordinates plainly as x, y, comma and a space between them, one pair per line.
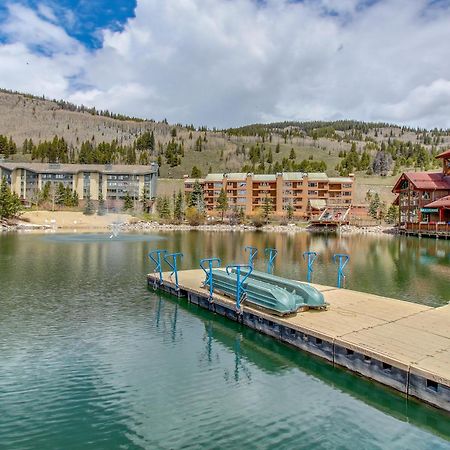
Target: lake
91, 358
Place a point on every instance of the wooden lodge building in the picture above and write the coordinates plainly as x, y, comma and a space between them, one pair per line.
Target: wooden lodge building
424, 199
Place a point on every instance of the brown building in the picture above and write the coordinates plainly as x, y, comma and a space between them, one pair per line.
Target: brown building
418, 193
302, 192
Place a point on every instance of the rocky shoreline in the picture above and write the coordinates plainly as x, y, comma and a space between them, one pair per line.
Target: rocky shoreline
145, 227
142, 226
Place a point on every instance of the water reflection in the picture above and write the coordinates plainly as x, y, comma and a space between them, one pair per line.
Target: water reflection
250, 349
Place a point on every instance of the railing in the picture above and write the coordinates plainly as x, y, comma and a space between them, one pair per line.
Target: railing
430, 227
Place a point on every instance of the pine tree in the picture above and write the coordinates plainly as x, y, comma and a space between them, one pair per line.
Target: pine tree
127, 202
267, 207
101, 210
88, 207
374, 205
222, 202
292, 155
290, 211
196, 197
178, 207
10, 204
196, 172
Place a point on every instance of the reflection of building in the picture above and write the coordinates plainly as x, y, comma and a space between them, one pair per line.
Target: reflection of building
421, 195
297, 191
114, 182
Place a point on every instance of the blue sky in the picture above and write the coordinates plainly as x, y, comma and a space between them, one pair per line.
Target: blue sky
231, 62
87, 16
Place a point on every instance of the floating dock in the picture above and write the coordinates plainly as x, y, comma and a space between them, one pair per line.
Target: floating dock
402, 345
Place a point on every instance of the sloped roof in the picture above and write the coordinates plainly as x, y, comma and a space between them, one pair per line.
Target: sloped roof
425, 180
443, 202
445, 154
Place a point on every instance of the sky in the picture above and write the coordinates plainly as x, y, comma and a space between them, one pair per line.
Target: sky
225, 63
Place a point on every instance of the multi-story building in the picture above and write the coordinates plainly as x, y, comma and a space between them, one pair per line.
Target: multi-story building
113, 182
418, 193
301, 192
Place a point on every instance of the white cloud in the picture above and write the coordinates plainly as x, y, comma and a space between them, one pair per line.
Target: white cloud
230, 62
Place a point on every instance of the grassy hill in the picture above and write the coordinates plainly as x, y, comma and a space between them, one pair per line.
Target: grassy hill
259, 147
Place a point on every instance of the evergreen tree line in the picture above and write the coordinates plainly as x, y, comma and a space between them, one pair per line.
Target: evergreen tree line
391, 156
89, 152
262, 161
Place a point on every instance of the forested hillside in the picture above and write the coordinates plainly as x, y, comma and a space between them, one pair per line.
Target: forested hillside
37, 129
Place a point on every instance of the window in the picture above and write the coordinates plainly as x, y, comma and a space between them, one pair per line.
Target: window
312, 184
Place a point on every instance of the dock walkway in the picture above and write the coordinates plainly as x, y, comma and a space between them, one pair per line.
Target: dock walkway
400, 344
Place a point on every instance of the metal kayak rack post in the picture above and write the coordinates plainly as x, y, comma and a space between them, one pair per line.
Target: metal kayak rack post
209, 272
342, 259
173, 266
155, 256
309, 257
240, 291
253, 251
271, 253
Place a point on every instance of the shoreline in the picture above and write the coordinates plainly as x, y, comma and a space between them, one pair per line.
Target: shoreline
133, 226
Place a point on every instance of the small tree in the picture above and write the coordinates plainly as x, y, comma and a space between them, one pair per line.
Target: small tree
267, 207
101, 211
127, 202
194, 216
222, 202
88, 207
196, 172
163, 207
374, 205
196, 197
290, 211
392, 215
178, 207
10, 204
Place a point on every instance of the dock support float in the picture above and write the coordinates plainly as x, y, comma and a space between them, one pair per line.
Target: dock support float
403, 378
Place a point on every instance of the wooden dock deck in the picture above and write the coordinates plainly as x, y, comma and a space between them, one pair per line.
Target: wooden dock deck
400, 344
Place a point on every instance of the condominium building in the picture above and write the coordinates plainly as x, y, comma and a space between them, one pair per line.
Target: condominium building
114, 182
300, 192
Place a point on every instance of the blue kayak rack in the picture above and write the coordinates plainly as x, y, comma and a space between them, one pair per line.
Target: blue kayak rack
155, 256
342, 259
253, 251
173, 266
309, 257
240, 290
271, 254
209, 272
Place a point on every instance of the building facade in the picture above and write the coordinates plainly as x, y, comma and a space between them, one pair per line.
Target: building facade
113, 182
418, 193
300, 192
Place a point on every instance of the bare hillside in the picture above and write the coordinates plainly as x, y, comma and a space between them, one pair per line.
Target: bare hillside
260, 148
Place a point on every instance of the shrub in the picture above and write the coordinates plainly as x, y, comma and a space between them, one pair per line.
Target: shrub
194, 216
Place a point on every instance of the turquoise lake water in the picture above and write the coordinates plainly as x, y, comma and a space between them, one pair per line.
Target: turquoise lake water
91, 358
